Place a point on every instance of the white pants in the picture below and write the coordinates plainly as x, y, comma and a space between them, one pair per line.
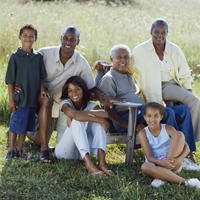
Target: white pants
172, 91
76, 141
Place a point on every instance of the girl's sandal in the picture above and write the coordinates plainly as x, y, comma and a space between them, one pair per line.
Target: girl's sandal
97, 174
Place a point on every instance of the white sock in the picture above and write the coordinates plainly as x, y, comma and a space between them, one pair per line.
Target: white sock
193, 182
157, 182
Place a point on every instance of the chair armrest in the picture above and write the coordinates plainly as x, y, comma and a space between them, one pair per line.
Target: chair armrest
132, 116
129, 104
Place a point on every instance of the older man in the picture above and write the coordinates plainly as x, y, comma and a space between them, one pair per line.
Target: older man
120, 84
61, 62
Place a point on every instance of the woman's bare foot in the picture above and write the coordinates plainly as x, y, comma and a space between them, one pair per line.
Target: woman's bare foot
102, 164
91, 168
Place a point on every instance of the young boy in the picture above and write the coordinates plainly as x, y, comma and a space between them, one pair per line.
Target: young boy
26, 69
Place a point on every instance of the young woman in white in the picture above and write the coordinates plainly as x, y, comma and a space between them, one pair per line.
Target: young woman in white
164, 149
74, 139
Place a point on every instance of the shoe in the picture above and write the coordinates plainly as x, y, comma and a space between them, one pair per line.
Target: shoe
46, 155
189, 165
193, 182
157, 182
10, 155
23, 154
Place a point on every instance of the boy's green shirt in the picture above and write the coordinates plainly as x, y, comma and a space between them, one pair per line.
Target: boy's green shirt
26, 70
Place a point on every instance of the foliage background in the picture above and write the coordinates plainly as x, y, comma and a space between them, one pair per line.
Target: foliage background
102, 24
101, 27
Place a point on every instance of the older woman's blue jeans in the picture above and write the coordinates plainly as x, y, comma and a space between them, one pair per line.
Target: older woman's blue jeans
177, 116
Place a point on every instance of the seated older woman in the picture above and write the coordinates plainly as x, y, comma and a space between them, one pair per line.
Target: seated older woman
164, 73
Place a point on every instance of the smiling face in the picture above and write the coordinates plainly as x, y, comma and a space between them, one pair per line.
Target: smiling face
153, 117
159, 34
120, 60
27, 38
75, 93
69, 40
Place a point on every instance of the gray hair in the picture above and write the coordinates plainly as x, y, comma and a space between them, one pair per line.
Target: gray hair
159, 21
72, 28
119, 46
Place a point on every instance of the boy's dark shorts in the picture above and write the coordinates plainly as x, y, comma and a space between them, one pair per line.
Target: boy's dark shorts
22, 120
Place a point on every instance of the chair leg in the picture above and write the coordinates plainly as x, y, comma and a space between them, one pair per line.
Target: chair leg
131, 136
130, 151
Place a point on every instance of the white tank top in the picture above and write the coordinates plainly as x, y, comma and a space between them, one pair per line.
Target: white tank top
159, 145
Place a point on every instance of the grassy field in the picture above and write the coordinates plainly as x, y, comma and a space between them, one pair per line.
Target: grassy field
101, 27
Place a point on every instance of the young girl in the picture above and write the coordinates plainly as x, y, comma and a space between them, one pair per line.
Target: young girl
164, 148
74, 141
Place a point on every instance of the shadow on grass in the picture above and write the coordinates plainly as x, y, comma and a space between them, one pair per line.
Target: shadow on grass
65, 179
68, 179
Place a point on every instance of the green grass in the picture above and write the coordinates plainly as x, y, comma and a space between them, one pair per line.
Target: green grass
68, 179
101, 27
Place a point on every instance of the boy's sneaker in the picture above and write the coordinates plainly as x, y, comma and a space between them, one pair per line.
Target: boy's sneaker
23, 154
157, 182
10, 155
193, 182
189, 165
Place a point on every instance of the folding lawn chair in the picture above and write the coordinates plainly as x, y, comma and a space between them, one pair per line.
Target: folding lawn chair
130, 137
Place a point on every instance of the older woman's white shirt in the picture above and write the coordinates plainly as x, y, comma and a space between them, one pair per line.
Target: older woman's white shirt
145, 60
